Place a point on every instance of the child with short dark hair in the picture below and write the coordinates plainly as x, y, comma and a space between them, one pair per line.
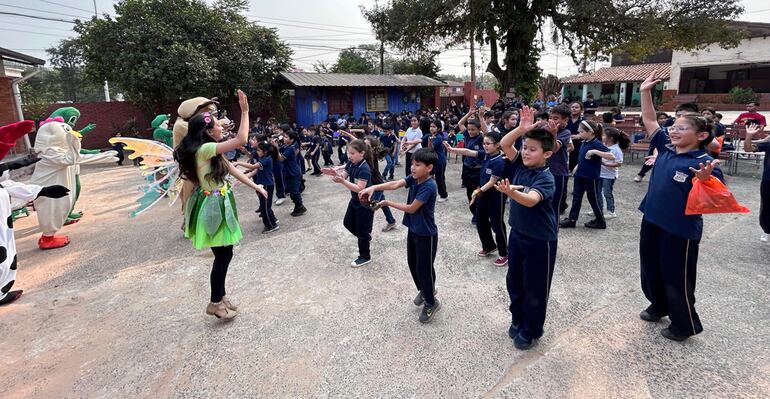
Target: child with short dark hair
617, 141
587, 176
422, 239
533, 237
436, 144
292, 175
265, 155
558, 162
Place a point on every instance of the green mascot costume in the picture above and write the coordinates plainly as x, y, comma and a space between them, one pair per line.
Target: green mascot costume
160, 130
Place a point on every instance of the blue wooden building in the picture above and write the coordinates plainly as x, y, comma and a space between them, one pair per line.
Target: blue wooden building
318, 94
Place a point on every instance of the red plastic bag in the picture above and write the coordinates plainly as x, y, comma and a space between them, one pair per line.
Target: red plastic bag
711, 196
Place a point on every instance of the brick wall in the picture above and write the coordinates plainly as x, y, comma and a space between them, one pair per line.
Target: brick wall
109, 117
7, 103
490, 96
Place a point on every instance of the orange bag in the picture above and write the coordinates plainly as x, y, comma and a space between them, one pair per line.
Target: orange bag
711, 196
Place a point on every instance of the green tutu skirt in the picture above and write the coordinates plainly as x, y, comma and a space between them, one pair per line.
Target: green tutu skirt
212, 220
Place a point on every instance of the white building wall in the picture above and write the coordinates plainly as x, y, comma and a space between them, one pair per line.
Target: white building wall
748, 51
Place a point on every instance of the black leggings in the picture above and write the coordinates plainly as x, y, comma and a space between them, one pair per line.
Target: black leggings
222, 258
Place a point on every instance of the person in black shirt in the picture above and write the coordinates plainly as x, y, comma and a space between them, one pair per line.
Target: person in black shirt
590, 105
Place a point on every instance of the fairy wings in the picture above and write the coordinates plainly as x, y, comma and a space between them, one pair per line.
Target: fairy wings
158, 167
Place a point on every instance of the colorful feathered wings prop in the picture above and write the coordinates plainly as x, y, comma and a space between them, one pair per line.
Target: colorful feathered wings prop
158, 167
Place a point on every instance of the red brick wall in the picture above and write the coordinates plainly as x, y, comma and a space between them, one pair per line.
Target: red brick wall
7, 103
490, 96
108, 117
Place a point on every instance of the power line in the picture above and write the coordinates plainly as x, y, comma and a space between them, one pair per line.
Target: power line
304, 22
37, 27
66, 6
308, 27
15, 14
32, 33
43, 11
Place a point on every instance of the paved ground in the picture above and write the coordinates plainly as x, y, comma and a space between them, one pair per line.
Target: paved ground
119, 312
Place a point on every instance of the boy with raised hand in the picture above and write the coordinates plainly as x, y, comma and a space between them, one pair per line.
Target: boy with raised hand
422, 239
533, 237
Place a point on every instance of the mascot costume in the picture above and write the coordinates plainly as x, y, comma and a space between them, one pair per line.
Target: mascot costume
160, 130
58, 147
187, 110
19, 191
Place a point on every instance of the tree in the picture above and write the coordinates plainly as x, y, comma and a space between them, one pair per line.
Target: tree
356, 60
424, 64
549, 85
160, 52
589, 30
68, 67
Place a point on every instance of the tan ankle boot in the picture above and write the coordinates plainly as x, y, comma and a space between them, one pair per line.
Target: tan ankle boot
229, 304
220, 311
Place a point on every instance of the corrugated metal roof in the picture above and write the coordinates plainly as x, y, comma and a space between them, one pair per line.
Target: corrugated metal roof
305, 79
626, 73
19, 57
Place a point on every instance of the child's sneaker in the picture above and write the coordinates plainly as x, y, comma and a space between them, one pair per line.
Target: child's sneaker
360, 262
299, 211
522, 343
389, 227
610, 215
484, 254
280, 201
764, 237
595, 224
268, 230
420, 298
638, 179
429, 311
442, 199
567, 223
501, 261
589, 213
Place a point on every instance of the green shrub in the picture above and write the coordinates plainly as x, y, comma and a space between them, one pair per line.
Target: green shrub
739, 95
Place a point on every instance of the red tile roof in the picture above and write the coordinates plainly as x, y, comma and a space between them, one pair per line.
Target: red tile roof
627, 73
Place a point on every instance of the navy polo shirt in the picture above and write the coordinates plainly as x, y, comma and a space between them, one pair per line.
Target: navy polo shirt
590, 168
315, 142
290, 164
558, 163
438, 148
343, 140
670, 185
264, 175
573, 126
539, 221
590, 104
765, 147
421, 222
475, 144
493, 165
512, 166
359, 171
388, 141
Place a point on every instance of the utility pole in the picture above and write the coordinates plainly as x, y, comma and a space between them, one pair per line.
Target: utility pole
473, 62
95, 12
382, 57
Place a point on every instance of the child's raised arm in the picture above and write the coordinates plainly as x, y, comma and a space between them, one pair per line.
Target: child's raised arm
461, 123
462, 151
526, 121
648, 108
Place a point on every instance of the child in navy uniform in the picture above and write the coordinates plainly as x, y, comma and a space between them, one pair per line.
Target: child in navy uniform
750, 145
292, 174
533, 237
314, 152
436, 143
558, 163
490, 204
262, 172
358, 218
587, 175
669, 239
422, 239
471, 171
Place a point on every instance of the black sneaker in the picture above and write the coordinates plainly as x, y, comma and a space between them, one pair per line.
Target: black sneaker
670, 335
595, 224
419, 300
429, 311
268, 230
513, 330
522, 343
567, 223
360, 261
649, 315
299, 211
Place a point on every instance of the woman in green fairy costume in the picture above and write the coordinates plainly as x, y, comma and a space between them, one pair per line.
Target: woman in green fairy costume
211, 220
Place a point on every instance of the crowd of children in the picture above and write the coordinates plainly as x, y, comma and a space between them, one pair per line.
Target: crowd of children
512, 156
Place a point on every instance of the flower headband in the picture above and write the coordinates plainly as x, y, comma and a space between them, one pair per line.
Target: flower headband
207, 118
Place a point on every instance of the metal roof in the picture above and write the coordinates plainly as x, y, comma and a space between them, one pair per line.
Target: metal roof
626, 73
306, 79
11, 55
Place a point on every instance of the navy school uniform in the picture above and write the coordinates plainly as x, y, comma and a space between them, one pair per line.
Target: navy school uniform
559, 164
265, 177
532, 252
315, 149
342, 142
280, 185
292, 175
587, 180
490, 206
358, 218
437, 144
764, 189
422, 238
472, 168
669, 239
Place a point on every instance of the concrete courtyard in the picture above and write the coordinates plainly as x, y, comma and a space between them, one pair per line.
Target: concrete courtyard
120, 311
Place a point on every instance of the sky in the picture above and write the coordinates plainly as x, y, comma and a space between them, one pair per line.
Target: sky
315, 30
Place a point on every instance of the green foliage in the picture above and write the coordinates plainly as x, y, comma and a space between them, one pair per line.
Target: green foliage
549, 85
739, 95
424, 64
587, 30
354, 60
161, 51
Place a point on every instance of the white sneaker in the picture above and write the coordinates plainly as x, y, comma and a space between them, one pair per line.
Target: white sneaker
280, 201
441, 199
765, 237
589, 213
610, 215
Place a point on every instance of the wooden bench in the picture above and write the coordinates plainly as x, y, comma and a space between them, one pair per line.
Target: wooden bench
638, 149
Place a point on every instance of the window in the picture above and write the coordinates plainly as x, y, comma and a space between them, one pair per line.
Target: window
376, 100
339, 101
